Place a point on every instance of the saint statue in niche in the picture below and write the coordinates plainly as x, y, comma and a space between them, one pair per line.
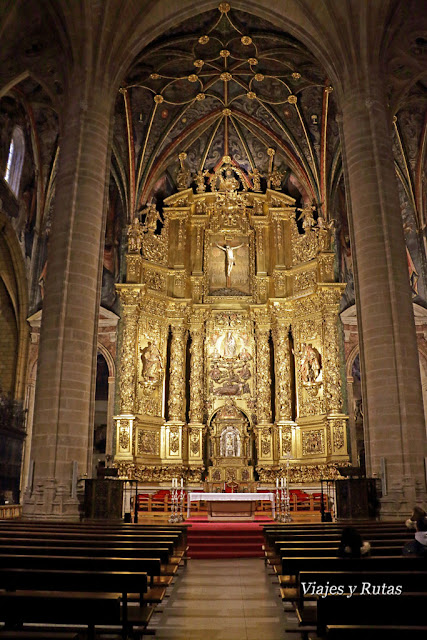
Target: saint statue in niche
230, 260
230, 345
230, 446
311, 363
151, 365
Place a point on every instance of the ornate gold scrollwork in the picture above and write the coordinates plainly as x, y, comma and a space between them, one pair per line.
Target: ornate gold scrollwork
148, 443
194, 441
313, 442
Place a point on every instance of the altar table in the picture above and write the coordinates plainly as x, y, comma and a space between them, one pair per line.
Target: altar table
196, 496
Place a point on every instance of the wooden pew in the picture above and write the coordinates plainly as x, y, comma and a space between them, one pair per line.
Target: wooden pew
332, 544
293, 566
321, 552
151, 566
163, 553
369, 610
93, 529
52, 584
48, 579
64, 608
38, 635
375, 632
377, 535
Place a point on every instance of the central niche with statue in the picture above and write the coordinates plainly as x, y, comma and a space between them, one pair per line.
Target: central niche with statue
229, 359
230, 446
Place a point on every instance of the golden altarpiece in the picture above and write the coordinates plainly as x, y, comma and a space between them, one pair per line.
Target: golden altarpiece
229, 361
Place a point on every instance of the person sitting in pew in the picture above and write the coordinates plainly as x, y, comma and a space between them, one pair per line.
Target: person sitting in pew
352, 544
418, 546
417, 513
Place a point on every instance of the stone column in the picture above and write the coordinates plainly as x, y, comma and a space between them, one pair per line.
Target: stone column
64, 403
351, 420
392, 398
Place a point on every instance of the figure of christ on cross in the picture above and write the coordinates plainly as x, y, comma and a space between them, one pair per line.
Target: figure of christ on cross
229, 260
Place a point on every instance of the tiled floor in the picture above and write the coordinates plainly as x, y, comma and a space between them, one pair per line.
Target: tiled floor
232, 599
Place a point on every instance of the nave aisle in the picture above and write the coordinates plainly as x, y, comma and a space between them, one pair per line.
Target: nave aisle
224, 599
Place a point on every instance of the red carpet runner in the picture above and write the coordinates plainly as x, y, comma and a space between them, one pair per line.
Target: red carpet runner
225, 539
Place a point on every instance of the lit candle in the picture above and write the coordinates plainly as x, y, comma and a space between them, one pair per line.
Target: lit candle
182, 483
282, 480
277, 483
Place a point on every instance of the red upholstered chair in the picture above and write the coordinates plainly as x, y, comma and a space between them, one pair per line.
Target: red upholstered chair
144, 502
160, 501
231, 487
302, 500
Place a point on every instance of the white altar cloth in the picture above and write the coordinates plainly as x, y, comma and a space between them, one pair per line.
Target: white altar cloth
196, 496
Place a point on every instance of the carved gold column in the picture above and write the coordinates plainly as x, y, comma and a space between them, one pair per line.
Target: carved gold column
195, 427
177, 373
128, 369
284, 423
174, 427
264, 428
129, 342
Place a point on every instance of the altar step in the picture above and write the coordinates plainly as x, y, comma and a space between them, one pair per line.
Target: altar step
225, 540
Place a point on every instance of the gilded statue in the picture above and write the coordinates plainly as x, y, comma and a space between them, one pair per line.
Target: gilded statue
228, 182
230, 260
311, 364
307, 216
151, 218
256, 179
183, 175
230, 345
230, 446
151, 365
135, 235
199, 179
276, 178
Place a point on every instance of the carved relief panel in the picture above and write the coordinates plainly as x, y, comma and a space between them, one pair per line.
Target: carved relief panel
229, 354
308, 348
152, 335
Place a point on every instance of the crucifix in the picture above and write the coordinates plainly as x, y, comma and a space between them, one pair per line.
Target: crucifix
230, 260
